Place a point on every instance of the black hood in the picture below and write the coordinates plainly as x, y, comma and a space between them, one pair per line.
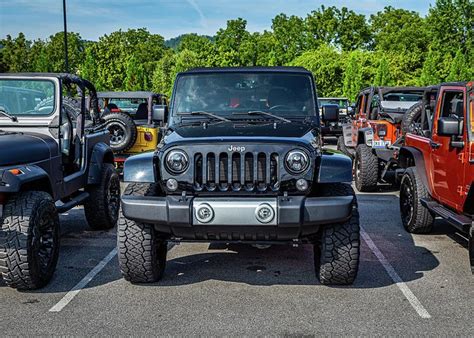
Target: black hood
269, 129
22, 148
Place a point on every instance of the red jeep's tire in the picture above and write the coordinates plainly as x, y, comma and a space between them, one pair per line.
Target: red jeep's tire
366, 166
415, 217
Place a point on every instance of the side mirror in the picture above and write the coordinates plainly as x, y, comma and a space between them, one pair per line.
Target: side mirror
449, 126
159, 113
330, 113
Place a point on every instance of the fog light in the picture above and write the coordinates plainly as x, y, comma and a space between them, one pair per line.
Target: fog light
264, 213
302, 184
172, 184
204, 213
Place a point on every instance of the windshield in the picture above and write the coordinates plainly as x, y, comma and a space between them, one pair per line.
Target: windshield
227, 94
27, 97
342, 103
403, 97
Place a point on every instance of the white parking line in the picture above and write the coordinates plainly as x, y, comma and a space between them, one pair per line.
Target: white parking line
415, 303
83, 283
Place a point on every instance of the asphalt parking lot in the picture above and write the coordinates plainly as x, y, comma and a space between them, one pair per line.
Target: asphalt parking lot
407, 284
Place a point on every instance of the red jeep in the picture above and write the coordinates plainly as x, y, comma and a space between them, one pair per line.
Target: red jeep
438, 157
375, 135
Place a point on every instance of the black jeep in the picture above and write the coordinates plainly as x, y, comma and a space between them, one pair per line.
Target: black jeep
241, 161
54, 155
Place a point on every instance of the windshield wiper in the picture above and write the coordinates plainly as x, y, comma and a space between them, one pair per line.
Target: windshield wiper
11, 117
205, 113
259, 112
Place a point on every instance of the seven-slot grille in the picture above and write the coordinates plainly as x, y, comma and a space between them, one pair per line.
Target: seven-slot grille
235, 171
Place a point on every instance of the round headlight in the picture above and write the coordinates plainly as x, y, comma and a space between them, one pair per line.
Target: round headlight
297, 161
176, 161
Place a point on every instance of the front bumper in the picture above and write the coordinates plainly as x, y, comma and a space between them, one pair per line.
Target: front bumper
236, 218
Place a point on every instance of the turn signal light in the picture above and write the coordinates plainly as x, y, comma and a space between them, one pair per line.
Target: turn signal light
16, 172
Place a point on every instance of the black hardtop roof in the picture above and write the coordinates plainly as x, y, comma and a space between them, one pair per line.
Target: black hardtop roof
127, 95
279, 69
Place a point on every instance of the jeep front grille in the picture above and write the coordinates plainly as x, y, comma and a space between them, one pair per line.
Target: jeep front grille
236, 171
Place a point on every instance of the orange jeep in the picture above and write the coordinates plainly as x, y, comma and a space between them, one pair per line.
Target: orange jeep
375, 134
438, 157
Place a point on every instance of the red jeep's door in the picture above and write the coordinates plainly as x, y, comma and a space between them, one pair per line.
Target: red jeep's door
448, 163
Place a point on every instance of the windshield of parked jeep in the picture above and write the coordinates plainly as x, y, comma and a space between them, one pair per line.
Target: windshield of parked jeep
403, 97
26, 97
233, 94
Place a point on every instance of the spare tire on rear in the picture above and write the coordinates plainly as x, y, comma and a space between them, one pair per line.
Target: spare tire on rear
412, 118
123, 131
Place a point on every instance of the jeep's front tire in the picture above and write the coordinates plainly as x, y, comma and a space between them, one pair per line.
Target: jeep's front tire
415, 217
141, 254
29, 240
366, 169
102, 206
337, 252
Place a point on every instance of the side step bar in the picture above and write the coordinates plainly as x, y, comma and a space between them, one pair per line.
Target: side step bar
75, 201
461, 222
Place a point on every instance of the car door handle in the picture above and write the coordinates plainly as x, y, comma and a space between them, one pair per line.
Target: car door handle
434, 145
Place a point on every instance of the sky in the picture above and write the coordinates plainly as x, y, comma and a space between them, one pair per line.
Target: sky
169, 18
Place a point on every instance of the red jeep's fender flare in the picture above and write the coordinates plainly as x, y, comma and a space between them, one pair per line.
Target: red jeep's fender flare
412, 157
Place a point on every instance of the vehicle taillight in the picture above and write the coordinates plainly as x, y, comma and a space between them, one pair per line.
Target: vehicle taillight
381, 130
148, 137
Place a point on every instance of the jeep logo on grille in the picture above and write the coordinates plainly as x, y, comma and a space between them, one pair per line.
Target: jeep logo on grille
236, 148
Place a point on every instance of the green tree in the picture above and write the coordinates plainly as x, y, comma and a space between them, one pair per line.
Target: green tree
353, 31
327, 67
383, 76
289, 33
15, 53
321, 26
353, 77
134, 75
459, 70
232, 43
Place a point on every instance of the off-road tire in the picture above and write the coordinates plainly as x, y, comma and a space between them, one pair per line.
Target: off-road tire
341, 146
336, 254
29, 240
366, 169
123, 131
415, 217
141, 253
412, 116
102, 206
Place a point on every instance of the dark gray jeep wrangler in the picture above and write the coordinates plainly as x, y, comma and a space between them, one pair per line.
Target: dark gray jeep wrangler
54, 155
240, 161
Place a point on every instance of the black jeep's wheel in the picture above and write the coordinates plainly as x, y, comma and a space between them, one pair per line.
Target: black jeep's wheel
123, 131
412, 118
102, 206
336, 255
366, 169
341, 146
141, 254
29, 240
415, 217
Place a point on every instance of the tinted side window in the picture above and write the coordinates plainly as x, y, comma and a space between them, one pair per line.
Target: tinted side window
453, 105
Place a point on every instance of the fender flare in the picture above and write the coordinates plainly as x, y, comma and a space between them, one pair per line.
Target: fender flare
31, 174
140, 168
101, 153
334, 168
412, 157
